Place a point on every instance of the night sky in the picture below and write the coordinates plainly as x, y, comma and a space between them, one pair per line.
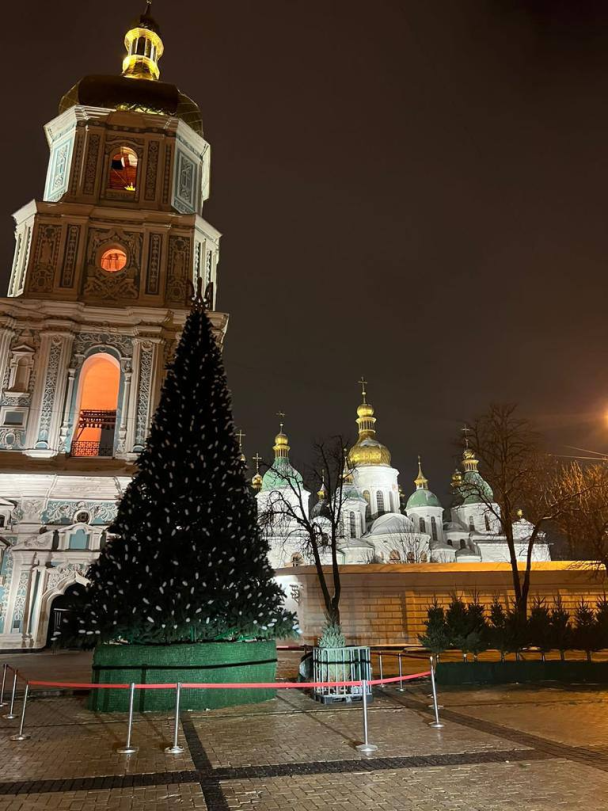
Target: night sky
413, 191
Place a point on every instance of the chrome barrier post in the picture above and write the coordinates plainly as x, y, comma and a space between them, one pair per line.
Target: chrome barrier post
2, 701
436, 724
176, 749
20, 736
128, 749
366, 747
10, 715
381, 668
400, 688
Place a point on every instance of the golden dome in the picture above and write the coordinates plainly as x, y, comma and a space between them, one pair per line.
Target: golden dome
367, 450
456, 478
421, 481
256, 482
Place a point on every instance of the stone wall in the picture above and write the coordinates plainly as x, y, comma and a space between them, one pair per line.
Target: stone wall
386, 604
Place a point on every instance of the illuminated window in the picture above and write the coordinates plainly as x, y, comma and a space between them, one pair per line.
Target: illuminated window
113, 260
380, 500
123, 170
395, 557
297, 560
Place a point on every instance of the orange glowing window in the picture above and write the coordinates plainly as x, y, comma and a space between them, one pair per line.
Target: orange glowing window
123, 170
113, 260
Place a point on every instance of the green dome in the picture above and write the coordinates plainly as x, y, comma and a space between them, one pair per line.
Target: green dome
422, 498
280, 475
475, 489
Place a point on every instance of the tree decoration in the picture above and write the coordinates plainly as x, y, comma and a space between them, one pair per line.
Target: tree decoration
185, 560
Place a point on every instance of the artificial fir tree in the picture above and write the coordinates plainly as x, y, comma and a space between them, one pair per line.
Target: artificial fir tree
186, 561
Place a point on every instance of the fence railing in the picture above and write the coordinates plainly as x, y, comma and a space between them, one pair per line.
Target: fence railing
363, 684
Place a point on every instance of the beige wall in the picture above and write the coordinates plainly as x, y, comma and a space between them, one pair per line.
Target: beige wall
386, 604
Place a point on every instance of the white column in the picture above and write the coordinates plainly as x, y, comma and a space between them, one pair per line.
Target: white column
6, 337
65, 425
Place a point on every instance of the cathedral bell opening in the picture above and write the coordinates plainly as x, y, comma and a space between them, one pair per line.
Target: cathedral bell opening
97, 407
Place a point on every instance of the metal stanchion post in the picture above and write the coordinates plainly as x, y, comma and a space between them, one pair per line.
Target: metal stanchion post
380, 663
128, 749
2, 701
176, 749
366, 747
436, 724
10, 715
20, 736
400, 688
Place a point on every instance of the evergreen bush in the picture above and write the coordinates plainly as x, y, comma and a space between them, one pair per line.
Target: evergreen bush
561, 628
539, 627
585, 635
435, 637
498, 628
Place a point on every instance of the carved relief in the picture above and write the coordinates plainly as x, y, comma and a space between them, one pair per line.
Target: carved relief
48, 396
152, 170
121, 285
185, 182
153, 280
59, 180
63, 512
47, 252
76, 162
90, 172
67, 572
69, 261
26, 257
179, 269
85, 341
167, 177
143, 401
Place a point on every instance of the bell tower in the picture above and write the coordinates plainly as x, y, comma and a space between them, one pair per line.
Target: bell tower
102, 277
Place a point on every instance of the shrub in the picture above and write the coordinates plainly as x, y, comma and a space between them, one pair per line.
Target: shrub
478, 636
585, 629
498, 627
539, 626
435, 637
561, 629
601, 618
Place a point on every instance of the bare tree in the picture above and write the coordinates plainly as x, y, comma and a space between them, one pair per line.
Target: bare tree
317, 535
522, 477
584, 522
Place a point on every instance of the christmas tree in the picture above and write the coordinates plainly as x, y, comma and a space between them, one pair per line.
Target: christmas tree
185, 560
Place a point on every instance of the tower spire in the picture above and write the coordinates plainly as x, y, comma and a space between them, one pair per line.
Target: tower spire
281, 442
144, 47
421, 481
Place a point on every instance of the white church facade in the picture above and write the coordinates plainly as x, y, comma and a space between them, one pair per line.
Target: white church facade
101, 283
376, 527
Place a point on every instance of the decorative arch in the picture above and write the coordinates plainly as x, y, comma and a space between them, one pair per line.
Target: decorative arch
96, 405
46, 601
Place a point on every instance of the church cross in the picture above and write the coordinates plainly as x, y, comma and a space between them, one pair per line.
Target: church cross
257, 459
241, 437
281, 415
465, 433
363, 384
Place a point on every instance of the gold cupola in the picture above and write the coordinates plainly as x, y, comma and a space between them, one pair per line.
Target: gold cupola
469, 461
144, 47
421, 481
367, 450
256, 480
281, 442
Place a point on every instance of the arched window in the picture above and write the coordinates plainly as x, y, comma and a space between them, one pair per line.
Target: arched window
487, 521
353, 525
471, 524
380, 502
123, 170
113, 260
423, 557
79, 539
297, 559
410, 557
395, 557
422, 525
463, 543
97, 407
434, 528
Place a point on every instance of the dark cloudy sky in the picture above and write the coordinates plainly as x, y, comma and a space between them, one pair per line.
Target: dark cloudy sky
414, 190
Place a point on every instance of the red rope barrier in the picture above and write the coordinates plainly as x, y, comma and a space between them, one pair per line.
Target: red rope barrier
282, 685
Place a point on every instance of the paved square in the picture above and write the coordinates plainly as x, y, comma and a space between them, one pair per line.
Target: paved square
524, 748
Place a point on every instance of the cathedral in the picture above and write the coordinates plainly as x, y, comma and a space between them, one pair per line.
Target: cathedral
101, 284
377, 524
